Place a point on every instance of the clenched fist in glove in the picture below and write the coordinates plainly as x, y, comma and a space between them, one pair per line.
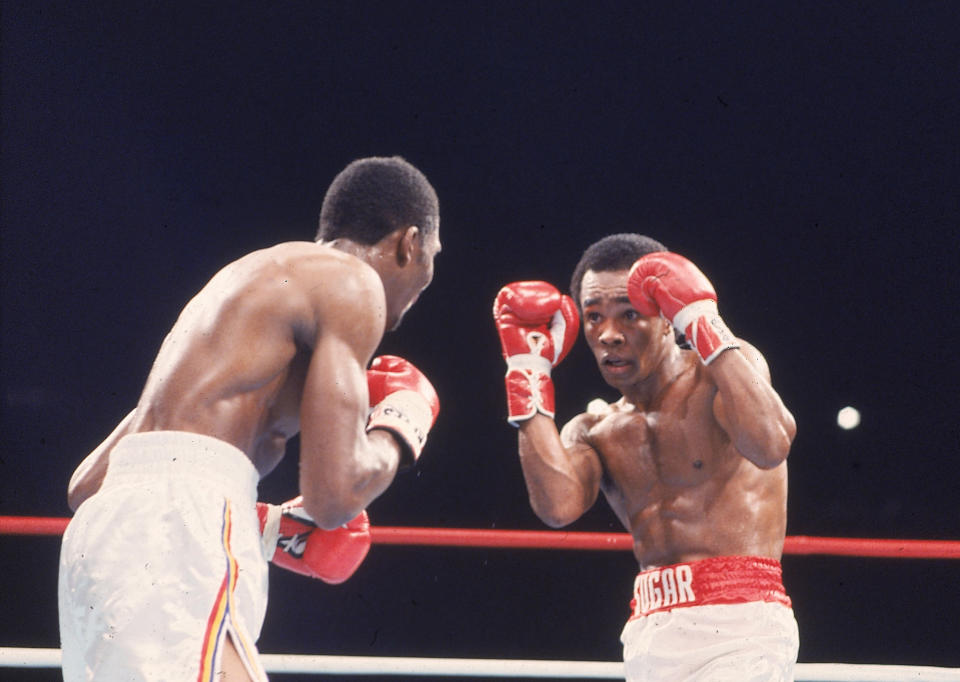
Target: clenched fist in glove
666, 283
537, 326
403, 401
291, 540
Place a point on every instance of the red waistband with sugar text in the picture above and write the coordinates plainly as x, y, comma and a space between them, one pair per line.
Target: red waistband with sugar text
717, 580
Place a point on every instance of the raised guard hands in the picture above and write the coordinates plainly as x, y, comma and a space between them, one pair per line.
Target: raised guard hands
537, 326
403, 401
667, 284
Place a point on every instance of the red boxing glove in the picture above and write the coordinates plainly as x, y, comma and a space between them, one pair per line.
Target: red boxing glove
291, 540
667, 284
404, 403
537, 326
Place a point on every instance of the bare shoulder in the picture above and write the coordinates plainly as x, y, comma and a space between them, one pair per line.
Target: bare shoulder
578, 429
334, 278
335, 292
575, 431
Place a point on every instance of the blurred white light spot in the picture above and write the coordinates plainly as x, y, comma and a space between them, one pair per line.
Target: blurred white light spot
848, 418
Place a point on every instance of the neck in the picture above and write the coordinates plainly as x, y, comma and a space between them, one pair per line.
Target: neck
647, 393
379, 257
361, 251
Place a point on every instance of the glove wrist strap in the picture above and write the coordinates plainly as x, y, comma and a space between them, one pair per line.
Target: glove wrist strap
528, 392
705, 330
533, 363
406, 415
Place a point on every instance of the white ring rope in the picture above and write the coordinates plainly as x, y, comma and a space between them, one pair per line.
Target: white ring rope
13, 657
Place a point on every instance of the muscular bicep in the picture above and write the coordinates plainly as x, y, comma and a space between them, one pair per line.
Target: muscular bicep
333, 409
562, 475
749, 410
334, 401
755, 369
582, 455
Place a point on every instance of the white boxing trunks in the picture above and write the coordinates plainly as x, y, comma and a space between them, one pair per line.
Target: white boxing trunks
164, 563
719, 619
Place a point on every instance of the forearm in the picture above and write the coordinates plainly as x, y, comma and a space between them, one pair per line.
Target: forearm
537, 326
88, 476
559, 491
377, 469
747, 407
754, 416
334, 497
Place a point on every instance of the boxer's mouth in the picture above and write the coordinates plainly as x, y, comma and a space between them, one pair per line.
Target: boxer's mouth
615, 363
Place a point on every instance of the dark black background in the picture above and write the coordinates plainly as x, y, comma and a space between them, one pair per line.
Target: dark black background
806, 156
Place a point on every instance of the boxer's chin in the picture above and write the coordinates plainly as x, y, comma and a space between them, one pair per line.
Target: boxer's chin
399, 319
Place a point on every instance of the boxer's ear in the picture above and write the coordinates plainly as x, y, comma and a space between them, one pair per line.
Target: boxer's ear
408, 243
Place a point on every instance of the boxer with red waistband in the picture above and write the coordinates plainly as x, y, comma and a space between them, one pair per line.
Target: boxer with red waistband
163, 568
691, 458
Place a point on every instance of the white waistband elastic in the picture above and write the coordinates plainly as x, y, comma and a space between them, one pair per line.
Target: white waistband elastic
140, 456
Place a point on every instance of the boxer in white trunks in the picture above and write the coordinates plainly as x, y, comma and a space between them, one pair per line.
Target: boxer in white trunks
691, 458
163, 569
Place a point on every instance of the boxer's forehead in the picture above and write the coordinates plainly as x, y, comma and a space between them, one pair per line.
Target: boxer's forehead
608, 286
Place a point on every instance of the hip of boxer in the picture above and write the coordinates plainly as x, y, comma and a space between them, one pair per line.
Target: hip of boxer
716, 580
164, 563
722, 619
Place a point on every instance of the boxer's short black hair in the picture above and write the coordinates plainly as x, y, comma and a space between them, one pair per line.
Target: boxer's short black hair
614, 252
372, 197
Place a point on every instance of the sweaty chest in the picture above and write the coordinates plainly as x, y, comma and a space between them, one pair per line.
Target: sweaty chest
675, 447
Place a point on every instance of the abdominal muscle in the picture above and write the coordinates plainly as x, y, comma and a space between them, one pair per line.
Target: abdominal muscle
680, 487
740, 510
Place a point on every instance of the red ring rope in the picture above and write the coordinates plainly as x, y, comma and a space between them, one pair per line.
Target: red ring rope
551, 539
